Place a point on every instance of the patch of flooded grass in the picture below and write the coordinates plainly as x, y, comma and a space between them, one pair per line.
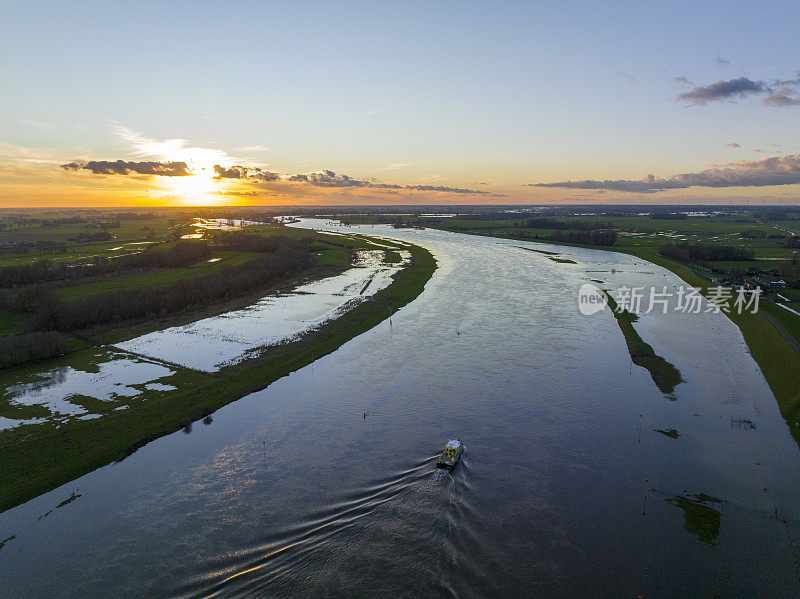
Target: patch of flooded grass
73, 496
671, 433
539, 251
81, 386
6, 540
699, 519
562, 260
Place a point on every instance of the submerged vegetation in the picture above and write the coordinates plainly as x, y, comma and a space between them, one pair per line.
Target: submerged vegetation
671, 433
664, 374
699, 518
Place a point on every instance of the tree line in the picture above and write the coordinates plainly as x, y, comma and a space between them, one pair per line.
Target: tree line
705, 252
51, 314
543, 222
183, 253
27, 347
602, 237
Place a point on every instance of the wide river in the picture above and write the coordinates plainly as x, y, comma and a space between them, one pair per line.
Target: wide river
324, 484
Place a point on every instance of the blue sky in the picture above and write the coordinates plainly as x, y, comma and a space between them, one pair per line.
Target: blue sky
456, 93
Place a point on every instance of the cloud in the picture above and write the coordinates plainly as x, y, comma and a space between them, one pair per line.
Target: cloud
262, 176
170, 149
721, 61
724, 90
328, 178
734, 145
245, 173
121, 167
394, 167
785, 96
233, 172
775, 170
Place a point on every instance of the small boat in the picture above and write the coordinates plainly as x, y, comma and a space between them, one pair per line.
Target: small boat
451, 454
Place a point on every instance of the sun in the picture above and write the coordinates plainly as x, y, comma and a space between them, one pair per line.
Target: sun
201, 186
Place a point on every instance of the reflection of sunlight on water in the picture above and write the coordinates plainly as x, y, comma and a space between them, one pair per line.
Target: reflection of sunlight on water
231, 337
113, 380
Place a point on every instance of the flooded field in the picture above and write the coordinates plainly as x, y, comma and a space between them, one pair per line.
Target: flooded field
235, 336
105, 381
579, 477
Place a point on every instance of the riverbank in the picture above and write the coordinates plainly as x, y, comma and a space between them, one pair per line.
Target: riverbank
36, 458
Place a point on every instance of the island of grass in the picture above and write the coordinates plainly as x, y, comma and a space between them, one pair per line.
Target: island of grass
699, 518
562, 260
39, 457
671, 433
664, 374
538, 251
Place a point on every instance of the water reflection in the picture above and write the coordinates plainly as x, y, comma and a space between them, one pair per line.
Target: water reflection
293, 492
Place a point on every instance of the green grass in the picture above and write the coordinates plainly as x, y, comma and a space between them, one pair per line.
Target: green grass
788, 321
152, 278
11, 322
38, 458
392, 257
664, 374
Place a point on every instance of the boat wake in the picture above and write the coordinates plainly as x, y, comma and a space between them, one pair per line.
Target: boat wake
311, 556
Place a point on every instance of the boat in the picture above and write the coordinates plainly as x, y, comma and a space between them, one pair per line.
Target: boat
451, 454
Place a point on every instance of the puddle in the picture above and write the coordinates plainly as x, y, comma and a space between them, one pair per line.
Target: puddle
235, 336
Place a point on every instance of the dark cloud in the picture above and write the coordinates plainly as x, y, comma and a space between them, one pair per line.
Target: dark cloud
682, 81
243, 172
234, 172
725, 90
785, 96
121, 167
263, 176
776, 170
734, 145
721, 61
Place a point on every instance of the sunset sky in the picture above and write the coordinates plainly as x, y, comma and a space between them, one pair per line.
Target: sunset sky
139, 103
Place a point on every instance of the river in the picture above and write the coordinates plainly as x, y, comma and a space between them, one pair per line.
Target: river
324, 483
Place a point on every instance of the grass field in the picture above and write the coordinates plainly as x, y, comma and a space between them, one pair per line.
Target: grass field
73, 293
